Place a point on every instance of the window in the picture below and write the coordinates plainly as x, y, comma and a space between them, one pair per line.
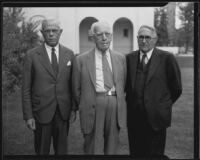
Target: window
125, 32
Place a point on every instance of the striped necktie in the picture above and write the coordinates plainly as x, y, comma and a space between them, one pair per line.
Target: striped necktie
144, 61
107, 73
54, 61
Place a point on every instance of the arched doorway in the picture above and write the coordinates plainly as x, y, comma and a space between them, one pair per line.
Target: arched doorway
123, 35
84, 27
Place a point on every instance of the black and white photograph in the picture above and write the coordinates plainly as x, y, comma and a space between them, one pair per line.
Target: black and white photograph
99, 80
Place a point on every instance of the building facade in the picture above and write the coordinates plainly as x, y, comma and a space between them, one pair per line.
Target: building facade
76, 22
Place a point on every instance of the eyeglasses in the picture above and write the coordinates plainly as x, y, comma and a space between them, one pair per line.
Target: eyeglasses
51, 30
147, 38
100, 35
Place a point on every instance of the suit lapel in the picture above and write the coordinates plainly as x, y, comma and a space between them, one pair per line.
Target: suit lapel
153, 65
114, 62
44, 59
63, 59
133, 67
91, 66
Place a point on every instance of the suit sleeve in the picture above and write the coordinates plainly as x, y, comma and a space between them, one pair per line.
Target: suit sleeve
173, 78
127, 83
27, 76
76, 81
125, 72
74, 106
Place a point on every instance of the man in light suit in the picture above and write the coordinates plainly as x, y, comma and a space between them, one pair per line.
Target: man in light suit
46, 91
98, 86
153, 86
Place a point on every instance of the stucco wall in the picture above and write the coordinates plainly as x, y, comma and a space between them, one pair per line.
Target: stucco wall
71, 17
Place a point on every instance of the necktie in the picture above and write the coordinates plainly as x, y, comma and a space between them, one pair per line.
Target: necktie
54, 61
143, 61
107, 73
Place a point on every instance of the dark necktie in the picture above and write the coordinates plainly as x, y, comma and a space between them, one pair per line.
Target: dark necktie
107, 73
143, 63
54, 61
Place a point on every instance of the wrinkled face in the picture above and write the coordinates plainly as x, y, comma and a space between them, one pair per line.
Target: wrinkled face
102, 37
146, 40
51, 33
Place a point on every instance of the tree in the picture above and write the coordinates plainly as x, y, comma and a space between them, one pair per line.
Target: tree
187, 24
160, 23
18, 37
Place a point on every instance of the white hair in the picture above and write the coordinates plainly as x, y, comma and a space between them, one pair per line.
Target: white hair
98, 23
151, 28
53, 21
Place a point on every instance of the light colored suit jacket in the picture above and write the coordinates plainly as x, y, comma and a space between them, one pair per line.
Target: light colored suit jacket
41, 89
84, 84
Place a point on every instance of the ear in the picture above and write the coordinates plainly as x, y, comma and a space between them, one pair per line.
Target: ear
156, 40
42, 32
92, 38
61, 30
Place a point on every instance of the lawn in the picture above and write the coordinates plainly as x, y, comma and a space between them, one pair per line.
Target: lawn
18, 140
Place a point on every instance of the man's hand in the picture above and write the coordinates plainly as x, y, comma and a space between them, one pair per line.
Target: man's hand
31, 124
72, 116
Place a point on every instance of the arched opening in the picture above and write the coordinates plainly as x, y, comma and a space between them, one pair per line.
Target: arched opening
123, 35
85, 40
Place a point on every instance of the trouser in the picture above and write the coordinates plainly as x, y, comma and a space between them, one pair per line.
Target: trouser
57, 129
104, 138
143, 140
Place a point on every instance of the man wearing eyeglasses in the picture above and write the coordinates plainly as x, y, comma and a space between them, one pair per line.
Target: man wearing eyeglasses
153, 86
46, 91
98, 86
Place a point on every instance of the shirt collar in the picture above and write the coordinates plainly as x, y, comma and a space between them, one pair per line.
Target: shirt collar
98, 52
49, 47
148, 54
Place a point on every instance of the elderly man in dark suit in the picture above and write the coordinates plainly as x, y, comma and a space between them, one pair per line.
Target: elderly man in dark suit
46, 91
98, 86
153, 85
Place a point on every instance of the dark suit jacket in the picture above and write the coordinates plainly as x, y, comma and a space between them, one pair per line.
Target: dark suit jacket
162, 88
84, 82
41, 88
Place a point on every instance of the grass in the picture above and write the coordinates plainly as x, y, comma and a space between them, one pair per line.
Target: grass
18, 140
180, 134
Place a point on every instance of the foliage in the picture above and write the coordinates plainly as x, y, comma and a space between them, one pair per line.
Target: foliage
160, 23
186, 31
18, 37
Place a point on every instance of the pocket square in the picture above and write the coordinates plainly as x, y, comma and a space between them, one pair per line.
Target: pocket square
69, 63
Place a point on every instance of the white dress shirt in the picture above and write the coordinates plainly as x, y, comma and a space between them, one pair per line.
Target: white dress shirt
99, 69
49, 50
147, 57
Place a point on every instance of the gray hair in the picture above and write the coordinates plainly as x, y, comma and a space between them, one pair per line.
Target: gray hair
52, 21
151, 28
98, 23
